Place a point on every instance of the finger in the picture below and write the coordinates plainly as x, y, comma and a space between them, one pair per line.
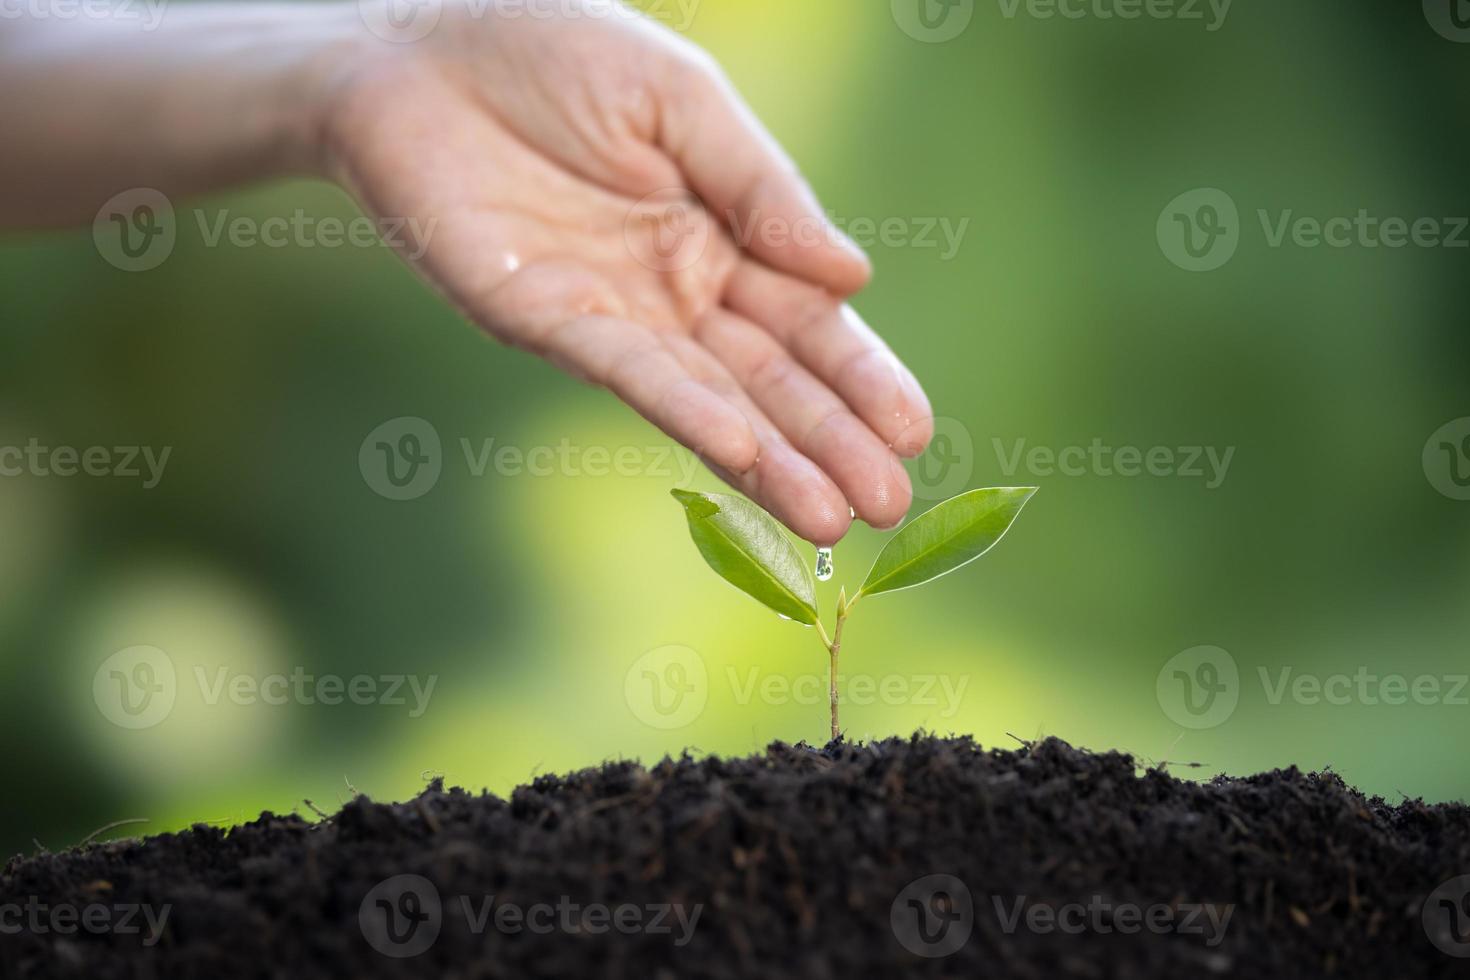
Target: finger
744, 176
836, 345
783, 481
816, 422
635, 365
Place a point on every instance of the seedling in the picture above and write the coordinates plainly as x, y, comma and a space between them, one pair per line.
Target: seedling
749, 550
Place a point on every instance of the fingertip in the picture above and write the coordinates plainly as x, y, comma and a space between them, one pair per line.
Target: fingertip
848, 268
918, 415
782, 223
803, 498
733, 445
836, 265
823, 519
826, 534
870, 476
852, 270
915, 437
715, 429
890, 498
887, 395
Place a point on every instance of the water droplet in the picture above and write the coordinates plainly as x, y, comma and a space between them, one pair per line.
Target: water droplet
824, 564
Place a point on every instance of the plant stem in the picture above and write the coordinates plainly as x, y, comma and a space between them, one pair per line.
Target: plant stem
822, 632
833, 648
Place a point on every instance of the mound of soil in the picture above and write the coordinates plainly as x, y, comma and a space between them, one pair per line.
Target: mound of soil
927, 857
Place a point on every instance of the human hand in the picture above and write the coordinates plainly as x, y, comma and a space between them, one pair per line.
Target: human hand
559, 158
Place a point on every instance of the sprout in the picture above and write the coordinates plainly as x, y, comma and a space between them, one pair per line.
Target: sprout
749, 550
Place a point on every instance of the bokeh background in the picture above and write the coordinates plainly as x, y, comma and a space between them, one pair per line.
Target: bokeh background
534, 601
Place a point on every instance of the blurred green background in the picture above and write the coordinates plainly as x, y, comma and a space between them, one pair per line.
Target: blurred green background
536, 600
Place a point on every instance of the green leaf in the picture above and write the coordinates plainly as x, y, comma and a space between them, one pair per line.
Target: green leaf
942, 539
747, 548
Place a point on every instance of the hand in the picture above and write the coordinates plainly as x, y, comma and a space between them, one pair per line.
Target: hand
587, 176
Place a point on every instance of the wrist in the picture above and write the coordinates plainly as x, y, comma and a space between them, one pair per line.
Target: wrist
330, 51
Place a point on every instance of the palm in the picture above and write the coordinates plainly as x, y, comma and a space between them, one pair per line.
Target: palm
590, 251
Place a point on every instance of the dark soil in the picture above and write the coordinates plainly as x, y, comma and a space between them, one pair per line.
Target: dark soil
798, 863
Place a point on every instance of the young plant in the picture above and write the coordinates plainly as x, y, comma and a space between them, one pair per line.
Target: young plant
749, 550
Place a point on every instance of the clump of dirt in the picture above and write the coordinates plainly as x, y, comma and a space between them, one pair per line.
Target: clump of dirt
925, 857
